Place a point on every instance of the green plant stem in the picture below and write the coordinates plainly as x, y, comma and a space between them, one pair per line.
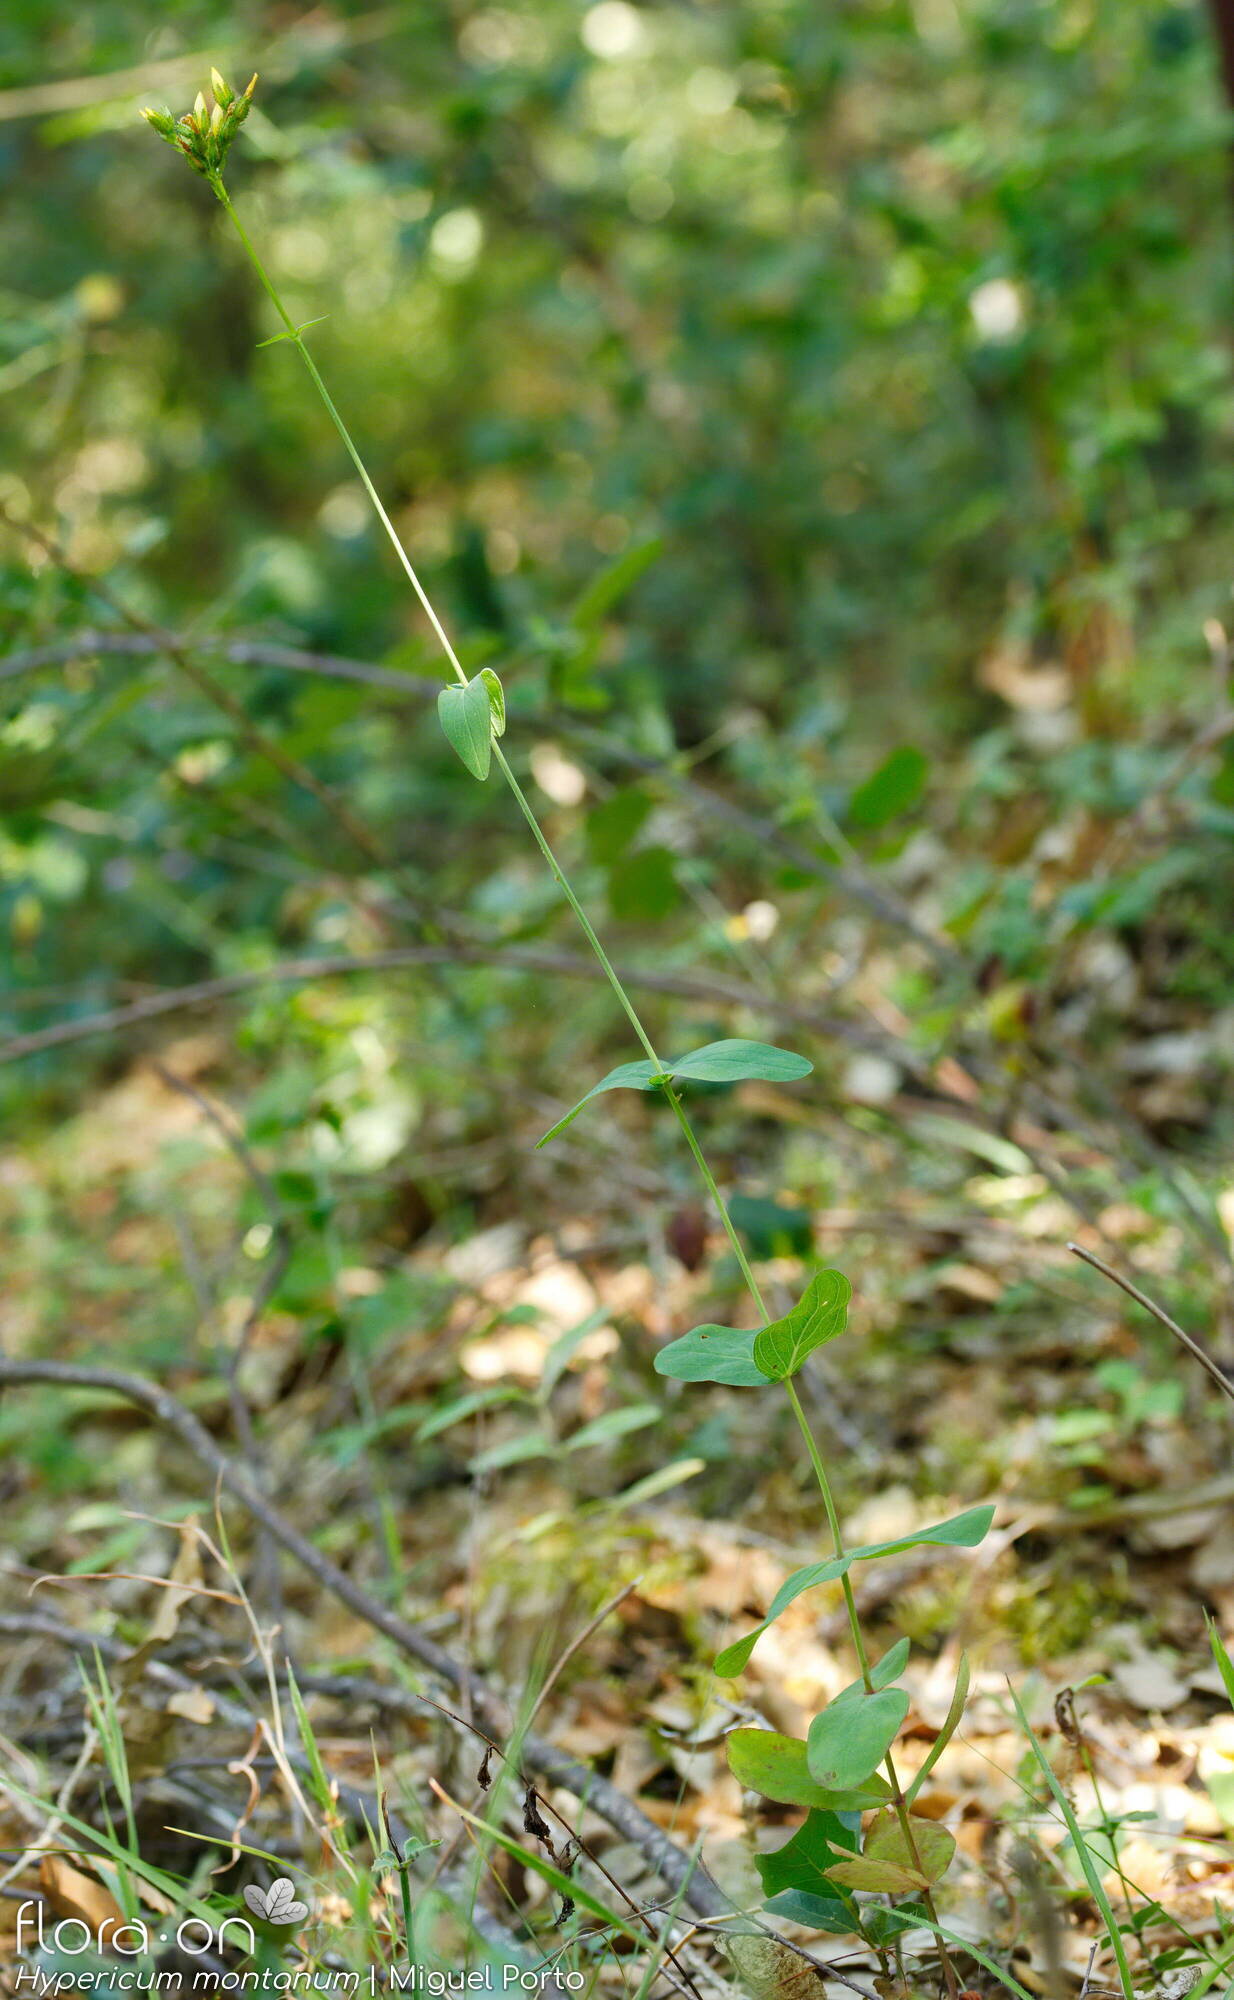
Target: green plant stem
563, 883
294, 336
709, 1182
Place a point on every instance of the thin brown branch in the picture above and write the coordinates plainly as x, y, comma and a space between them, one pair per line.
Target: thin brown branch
91, 642
295, 971
552, 1765
1211, 1367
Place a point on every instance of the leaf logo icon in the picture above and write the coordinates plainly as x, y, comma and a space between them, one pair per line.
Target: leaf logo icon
278, 1904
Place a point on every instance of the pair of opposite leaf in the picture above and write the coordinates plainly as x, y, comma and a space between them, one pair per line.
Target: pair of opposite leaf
750, 1357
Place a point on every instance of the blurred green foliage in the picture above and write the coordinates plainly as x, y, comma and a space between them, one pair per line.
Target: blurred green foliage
839, 393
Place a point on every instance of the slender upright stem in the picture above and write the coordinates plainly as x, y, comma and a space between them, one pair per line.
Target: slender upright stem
709, 1182
559, 875
585, 924
833, 1522
292, 333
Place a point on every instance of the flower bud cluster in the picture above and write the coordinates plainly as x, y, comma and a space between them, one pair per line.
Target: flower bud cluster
204, 134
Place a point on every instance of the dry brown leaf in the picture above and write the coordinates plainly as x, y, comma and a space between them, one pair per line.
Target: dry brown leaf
71, 1893
185, 1576
194, 1704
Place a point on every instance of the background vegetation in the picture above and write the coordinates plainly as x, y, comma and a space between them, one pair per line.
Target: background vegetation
822, 417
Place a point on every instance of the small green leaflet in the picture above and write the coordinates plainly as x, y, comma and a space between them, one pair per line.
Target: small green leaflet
713, 1354
471, 716
715, 1062
818, 1316
848, 1741
962, 1531
882, 1674
775, 1766
295, 332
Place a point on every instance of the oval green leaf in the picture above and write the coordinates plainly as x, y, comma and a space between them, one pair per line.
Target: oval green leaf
848, 1742
818, 1316
713, 1354
776, 1767
817, 1913
741, 1062
896, 785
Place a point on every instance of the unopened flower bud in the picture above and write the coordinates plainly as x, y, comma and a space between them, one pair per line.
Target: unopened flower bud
162, 121
223, 92
199, 106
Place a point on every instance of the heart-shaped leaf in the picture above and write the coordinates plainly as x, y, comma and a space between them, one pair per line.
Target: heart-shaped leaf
889, 1852
713, 1354
741, 1359
775, 1766
741, 1062
849, 1740
802, 1863
466, 717
818, 1316
962, 1531
627, 1076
